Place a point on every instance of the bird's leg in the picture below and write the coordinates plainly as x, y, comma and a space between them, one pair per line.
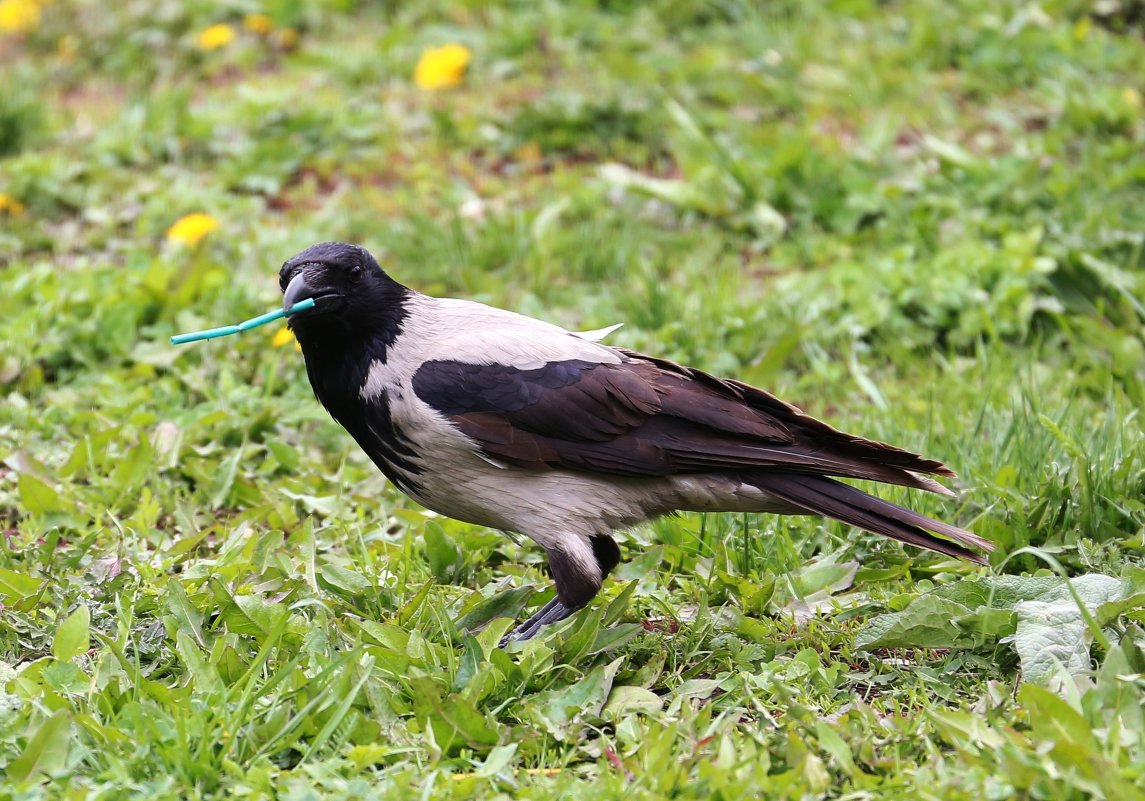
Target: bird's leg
552, 612
578, 571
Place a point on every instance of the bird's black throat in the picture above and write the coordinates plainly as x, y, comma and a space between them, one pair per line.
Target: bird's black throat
339, 348
339, 351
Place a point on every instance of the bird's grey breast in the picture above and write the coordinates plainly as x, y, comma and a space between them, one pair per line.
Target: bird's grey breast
420, 448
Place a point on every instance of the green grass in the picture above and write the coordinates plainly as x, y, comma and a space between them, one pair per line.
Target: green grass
922, 221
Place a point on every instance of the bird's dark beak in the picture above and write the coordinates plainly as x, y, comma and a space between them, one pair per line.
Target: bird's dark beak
296, 290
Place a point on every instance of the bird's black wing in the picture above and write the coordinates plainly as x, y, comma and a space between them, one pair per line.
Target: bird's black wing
648, 417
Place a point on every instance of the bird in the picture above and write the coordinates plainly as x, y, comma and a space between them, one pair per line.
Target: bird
509, 422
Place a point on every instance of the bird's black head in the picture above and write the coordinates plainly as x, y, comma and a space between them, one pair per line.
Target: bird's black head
353, 297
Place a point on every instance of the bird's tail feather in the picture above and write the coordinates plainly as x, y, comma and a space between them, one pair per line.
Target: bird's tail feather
825, 496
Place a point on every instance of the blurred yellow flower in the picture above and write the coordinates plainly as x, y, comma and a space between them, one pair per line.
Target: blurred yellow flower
19, 16
1131, 96
191, 229
10, 206
283, 336
258, 23
442, 67
215, 36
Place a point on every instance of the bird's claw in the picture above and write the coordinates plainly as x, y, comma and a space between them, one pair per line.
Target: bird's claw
552, 612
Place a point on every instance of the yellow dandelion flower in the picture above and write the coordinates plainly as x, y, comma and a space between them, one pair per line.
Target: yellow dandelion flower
191, 229
19, 16
1131, 97
215, 36
283, 336
10, 206
258, 23
442, 67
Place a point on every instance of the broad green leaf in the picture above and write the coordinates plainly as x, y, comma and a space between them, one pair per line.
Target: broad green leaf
618, 605
37, 497
72, 635
440, 550
203, 673
1053, 634
414, 605
368, 754
641, 565
628, 700
386, 634
263, 614
829, 577
697, 688
499, 758
754, 596
578, 636
17, 586
456, 722
609, 637
134, 466
960, 728
66, 678
224, 477
927, 623
1117, 688
1132, 596
186, 616
833, 744
46, 751
471, 659
557, 709
1067, 738
815, 774
323, 505
507, 603
975, 609
286, 455
747, 627
247, 614
1052, 718
343, 581
988, 624
1038, 614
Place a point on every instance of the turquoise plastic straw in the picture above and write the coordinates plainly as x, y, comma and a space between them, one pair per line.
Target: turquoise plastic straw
245, 325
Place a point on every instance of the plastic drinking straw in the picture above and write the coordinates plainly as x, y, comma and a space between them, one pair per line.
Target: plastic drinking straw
245, 325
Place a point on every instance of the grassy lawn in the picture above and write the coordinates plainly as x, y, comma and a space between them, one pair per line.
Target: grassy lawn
922, 221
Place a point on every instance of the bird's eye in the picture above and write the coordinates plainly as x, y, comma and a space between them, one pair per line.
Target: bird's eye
355, 273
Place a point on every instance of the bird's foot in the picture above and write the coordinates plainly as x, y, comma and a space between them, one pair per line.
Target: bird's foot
552, 612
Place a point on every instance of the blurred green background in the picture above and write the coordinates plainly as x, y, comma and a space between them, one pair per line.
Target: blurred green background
922, 221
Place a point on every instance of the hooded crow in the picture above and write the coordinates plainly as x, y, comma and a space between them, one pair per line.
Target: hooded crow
505, 421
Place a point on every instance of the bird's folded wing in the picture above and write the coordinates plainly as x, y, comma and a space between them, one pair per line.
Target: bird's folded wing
647, 417
597, 334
